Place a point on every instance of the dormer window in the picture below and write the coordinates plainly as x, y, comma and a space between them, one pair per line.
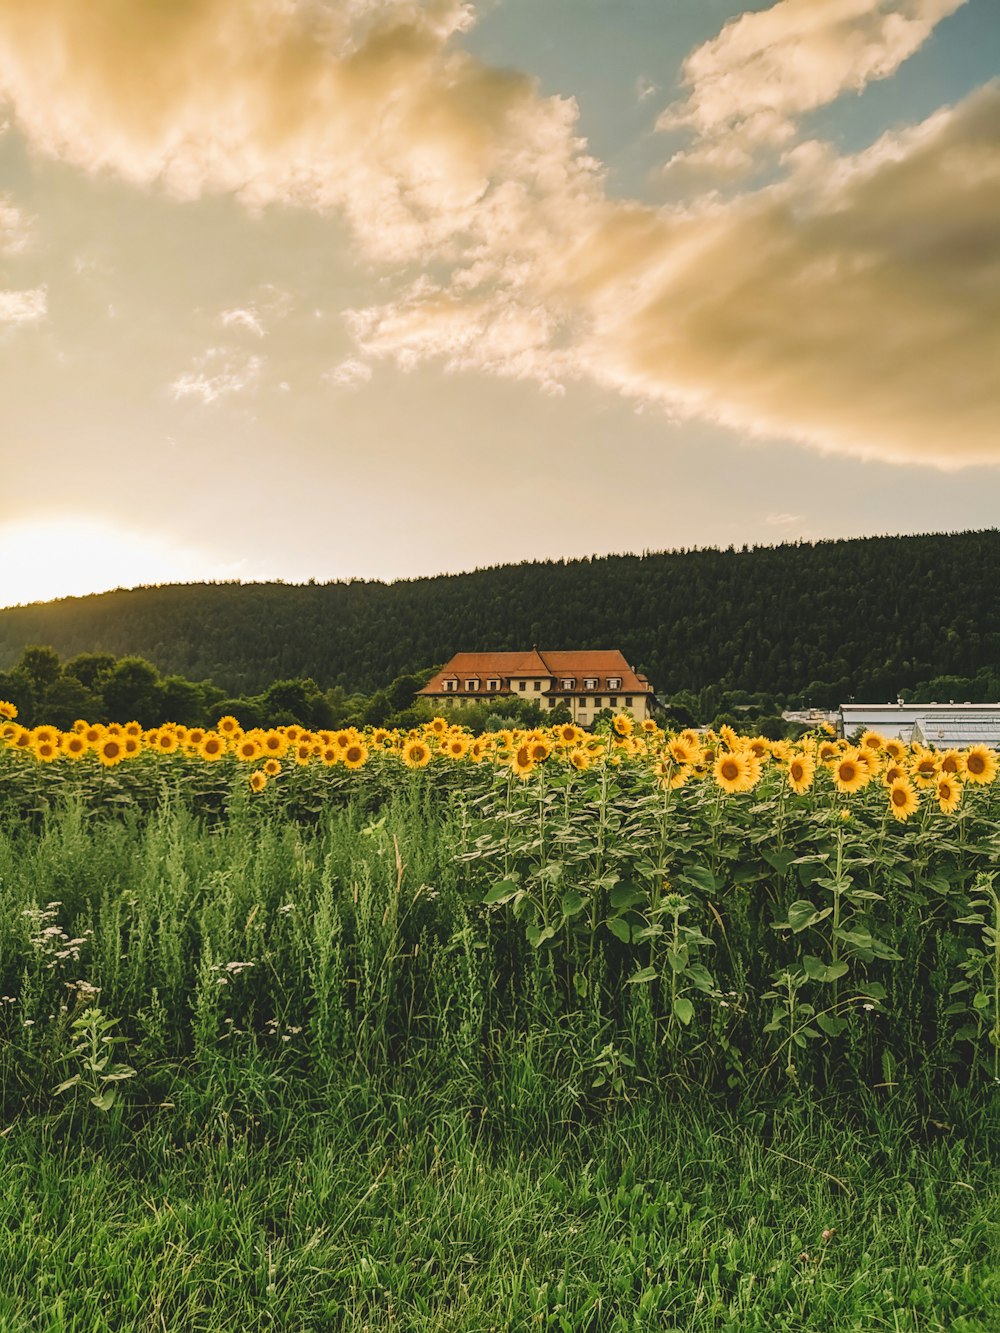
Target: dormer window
472, 684
614, 682
568, 683
590, 683
493, 683
450, 684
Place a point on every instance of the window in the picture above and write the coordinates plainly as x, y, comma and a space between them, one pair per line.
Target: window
538, 684
522, 684
568, 683
597, 701
613, 701
451, 684
590, 683
583, 701
493, 683
628, 701
472, 684
614, 682
552, 701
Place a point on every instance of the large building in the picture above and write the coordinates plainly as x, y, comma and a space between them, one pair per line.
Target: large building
942, 725
584, 681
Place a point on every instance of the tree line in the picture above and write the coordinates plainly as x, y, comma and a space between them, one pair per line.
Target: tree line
808, 623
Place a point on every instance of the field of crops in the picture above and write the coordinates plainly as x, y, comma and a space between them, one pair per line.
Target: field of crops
534, 1029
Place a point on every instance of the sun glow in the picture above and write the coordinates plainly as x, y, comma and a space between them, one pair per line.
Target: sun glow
45, 558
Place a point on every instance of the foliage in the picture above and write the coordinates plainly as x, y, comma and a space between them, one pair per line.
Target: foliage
816, 623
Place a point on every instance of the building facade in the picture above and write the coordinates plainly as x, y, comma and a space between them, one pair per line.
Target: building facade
586, 682
940, 725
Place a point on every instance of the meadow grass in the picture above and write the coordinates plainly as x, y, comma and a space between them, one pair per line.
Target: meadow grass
366, 1091
400, 1211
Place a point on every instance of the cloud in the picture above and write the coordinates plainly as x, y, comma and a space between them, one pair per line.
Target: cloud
247, 319
221, 373
25, 307
783, 520
765, 69
15, 229
850, 306
359, 107
350, 374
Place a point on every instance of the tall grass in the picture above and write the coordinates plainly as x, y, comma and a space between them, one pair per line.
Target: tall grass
456, 1054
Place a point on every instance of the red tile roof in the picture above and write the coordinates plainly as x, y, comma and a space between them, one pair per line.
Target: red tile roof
600, 665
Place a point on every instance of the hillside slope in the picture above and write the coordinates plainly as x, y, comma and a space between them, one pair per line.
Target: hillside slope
871, 615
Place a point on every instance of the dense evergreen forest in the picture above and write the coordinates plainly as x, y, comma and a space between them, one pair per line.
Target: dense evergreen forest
819, 622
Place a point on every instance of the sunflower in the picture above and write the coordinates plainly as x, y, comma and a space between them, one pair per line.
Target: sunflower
438, 725
902, 799
872, 740
247, 749
828, 752
345, 738
8, 710
379, 737
689, 735
895, 750
893, 773
579, 759
848, 774
303, 752
729, 737
291, 733
759, 746
356, 755
74, 745
801, 771
46, 750
258, 780
22, 741
272, 767
228, 725
416, 753
539, 749
477, 751
131, 746
980, 764
925, 770
650, 727
330, 755
732, 771
683, 750
949, 793
568, 734
212, 747
166, 741
45, 736
194, 737
951, 762
521, 761
622, 724
110, 751
8, 731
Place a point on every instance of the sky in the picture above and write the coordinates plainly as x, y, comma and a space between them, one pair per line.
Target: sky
384, 288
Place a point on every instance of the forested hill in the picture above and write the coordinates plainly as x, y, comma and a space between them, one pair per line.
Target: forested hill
865, 617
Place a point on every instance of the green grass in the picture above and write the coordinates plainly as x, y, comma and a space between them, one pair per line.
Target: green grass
397, 1213
408, 1112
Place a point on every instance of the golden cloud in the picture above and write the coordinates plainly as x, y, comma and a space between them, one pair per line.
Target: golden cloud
852, 306
766, 68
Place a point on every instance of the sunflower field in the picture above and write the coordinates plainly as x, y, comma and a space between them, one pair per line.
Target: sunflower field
527, 1029
726, 909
